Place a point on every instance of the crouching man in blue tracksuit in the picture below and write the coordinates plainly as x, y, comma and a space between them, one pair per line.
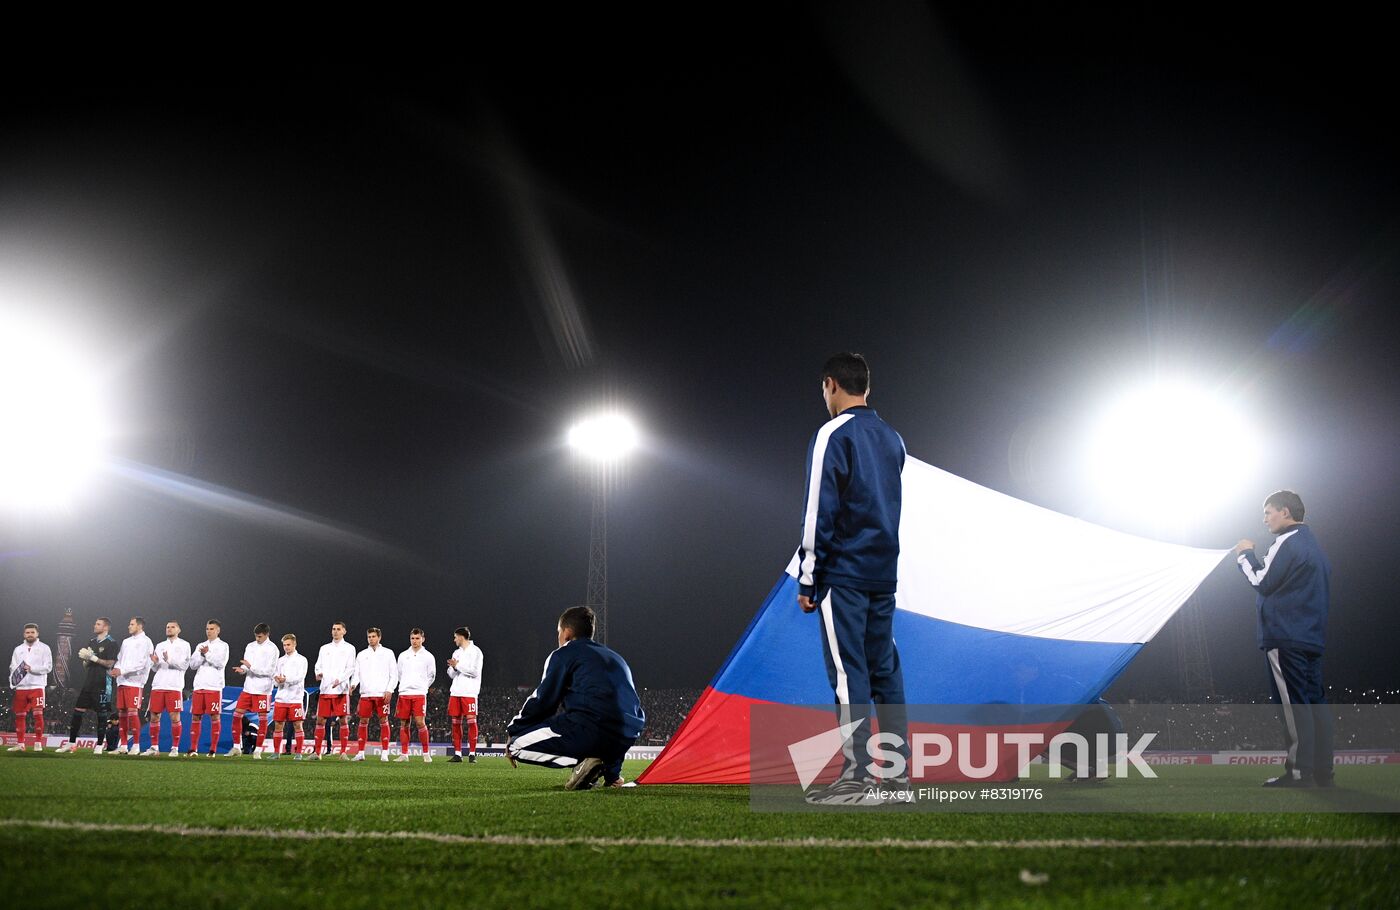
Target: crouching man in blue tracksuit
601, 714
1292, 582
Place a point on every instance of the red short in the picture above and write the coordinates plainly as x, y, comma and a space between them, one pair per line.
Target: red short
206, 701
249, 702
128, 698
461, 706
371, 707
163, 700
412, 706
293, 711
332, 705
27, 700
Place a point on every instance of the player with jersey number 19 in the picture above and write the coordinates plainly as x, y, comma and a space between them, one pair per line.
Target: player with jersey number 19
335, 669
131, 671
464, 666
169, 661
289, 704
417, 670
208, 661
376, 675
29, 674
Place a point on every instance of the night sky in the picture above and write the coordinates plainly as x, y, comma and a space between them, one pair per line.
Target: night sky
369, 299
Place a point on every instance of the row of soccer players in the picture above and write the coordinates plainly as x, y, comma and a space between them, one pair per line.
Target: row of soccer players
339, 670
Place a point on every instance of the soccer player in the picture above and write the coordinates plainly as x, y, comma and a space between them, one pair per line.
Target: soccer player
132, 669
169, 660
848, 562
1293, 589
376, 675
464, 666
601, 716
417, 670
259, 663
335, 669
29, 674
208, 661
98, 656
289, 705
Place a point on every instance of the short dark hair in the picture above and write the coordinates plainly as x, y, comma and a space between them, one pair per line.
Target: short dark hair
214, 622
339, 623
139, 620
106, 620
30, 625
417, 631
579, 620
1287, 499
850, 371
375, 630
262, 628
464, 632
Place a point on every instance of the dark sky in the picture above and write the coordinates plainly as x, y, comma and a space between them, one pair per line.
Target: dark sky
339, 292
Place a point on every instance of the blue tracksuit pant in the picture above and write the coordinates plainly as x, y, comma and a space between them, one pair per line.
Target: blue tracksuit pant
862, 665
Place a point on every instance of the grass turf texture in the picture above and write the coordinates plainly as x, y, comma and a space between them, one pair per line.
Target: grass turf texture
64, 867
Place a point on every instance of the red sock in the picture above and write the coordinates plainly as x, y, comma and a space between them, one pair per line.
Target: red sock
364, 736
384, 737
133, 726
471, 737
277, 742
457, 734
21, 724
262, 729
423, 738
403, 739
344, 735
175, 729
213, 733
195, 723
320, 735
301, 739
155, 734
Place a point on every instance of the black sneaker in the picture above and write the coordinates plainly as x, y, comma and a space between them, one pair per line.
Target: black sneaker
588, 771
845, 792
471, 759
1288, 780
455, 759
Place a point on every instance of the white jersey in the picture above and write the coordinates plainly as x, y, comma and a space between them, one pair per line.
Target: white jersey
40, 660
173, 659
209, 667
466, 676
293, 691
134, 661
335, 665
376, 672
262, 666
417, 670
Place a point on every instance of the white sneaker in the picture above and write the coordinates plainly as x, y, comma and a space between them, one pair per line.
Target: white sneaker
346, 756
236, 750
99, 749
38, 747
315, 756
384, 755
175, 753
257, 755
154, 750
17, 748
402, 757
68, 748
358, 756
427, 758
120, 750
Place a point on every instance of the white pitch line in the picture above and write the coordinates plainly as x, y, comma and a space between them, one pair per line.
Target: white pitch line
523, 840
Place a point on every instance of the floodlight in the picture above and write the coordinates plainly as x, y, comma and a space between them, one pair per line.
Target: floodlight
52, 432
1171, 447
604, 438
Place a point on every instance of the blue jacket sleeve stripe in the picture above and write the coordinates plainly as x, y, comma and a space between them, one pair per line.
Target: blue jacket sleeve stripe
808, 563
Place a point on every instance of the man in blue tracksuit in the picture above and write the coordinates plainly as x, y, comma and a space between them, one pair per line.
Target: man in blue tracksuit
1292, 583
848, 563
601, 715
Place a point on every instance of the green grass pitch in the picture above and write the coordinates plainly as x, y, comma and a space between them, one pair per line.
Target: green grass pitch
244, 833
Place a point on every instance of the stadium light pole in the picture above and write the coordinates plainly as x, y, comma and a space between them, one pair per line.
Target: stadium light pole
603, 442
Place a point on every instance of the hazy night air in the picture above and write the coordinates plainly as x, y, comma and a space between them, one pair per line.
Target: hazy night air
344, 323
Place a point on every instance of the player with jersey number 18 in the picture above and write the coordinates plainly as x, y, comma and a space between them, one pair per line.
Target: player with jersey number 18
169, 661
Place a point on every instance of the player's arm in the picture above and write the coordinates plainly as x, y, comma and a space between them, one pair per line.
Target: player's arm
1270, 573
828, 464
473, 670
43, 662
179, 663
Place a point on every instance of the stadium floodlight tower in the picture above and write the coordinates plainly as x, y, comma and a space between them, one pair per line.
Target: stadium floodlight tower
603, 442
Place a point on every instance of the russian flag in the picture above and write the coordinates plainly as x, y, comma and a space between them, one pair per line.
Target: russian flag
1000, 602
